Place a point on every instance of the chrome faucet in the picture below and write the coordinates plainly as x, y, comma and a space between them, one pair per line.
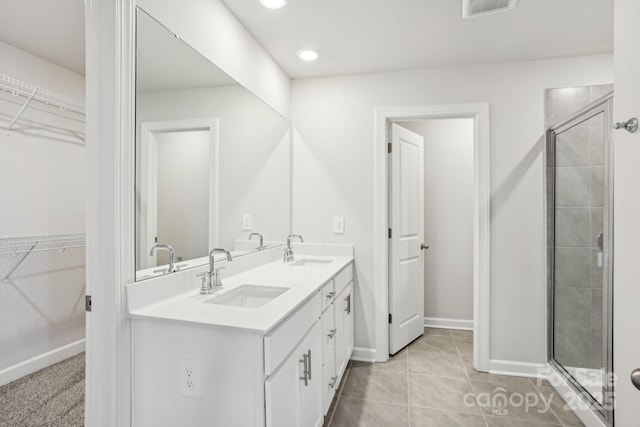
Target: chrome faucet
261, 247
211, 278
172, 255
288, 253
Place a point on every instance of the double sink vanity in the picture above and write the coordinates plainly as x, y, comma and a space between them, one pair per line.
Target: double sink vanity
267, 348
248, 335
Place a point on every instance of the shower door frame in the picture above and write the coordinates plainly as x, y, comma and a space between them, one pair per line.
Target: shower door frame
602, 105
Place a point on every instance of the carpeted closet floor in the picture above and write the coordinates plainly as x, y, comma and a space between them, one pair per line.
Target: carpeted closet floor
52, 397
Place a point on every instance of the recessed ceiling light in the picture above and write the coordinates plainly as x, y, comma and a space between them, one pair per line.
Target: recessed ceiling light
307, 54
273, 4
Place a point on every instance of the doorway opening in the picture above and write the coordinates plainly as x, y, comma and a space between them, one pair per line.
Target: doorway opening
385, 198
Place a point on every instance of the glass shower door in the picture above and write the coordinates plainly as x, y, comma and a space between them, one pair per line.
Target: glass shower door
580, 242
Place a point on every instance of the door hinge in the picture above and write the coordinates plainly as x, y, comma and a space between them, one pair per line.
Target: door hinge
389, 233
390, 318
87, 303
389, 147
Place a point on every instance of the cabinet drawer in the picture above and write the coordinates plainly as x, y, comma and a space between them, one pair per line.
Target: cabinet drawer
279, 343
343, 278
328, 293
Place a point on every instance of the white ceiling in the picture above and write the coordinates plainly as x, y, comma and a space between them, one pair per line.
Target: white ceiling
356, 36
362, 36
168, 63
50, 29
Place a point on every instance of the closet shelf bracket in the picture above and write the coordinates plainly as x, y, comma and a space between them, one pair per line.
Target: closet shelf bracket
24, 107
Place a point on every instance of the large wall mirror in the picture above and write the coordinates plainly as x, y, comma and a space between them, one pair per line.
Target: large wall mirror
212, 159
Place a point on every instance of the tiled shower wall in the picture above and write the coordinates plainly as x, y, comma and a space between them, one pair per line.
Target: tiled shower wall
578, 220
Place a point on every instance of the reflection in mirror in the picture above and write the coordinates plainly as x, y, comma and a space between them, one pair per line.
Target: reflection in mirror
212, 160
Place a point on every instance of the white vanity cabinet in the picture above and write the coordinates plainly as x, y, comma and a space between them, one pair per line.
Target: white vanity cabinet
293, 394
337, 329
188, 370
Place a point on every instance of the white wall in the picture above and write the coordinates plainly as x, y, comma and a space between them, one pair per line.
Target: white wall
333, 175
43, 196
43, 193
210, 28
254, 159
448, 219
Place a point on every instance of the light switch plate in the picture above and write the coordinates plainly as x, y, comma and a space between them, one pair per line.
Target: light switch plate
338, 225
247, 222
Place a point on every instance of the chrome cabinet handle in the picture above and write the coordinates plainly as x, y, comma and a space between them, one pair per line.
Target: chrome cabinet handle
332, 383
332, 333
331, 294
348, 301
423, 246
630, 125
635, 378
305, 361
309, 361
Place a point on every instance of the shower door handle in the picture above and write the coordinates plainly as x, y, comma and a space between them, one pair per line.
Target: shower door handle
600, 260
635, 378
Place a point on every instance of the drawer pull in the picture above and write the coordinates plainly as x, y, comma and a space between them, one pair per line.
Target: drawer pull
331, 294
305, 372
348, 301
332, 333
332, 383
309, 361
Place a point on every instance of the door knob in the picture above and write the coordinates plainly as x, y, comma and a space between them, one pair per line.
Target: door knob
423, 246
630, 125
635, 378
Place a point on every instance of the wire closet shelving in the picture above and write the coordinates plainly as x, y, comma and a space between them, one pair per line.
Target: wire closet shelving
29, 94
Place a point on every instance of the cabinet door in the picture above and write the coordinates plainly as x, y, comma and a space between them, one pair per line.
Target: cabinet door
347, 324
292, 401
344, 324
310, 393
329, 359
281, 393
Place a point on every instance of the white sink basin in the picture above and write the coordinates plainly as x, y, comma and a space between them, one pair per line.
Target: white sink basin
311, 262
251, 296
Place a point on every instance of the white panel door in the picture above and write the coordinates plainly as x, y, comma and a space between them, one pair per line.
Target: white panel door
626, 273
406, 264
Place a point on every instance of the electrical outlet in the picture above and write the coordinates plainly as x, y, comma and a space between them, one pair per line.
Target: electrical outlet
338, 225
247, 222
189, 376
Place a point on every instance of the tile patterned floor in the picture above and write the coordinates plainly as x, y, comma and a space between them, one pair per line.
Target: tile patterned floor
432, 383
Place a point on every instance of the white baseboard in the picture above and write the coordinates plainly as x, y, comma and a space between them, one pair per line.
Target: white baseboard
41, 361
437, 322
582, 410
362, 354
518, 369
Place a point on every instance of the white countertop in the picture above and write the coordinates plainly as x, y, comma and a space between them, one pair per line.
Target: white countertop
302, 281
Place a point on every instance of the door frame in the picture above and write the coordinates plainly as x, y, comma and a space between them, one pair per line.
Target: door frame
479, 112
149, 181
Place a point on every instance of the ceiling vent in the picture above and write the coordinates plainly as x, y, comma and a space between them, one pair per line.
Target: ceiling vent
473, 8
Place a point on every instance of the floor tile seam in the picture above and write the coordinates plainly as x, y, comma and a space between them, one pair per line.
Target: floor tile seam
339, 395
550, 408
448, 377
475, 394
417, 350
473, 390
373, 400
458, 377
522, 419
408, 391
446, 409
380, 369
